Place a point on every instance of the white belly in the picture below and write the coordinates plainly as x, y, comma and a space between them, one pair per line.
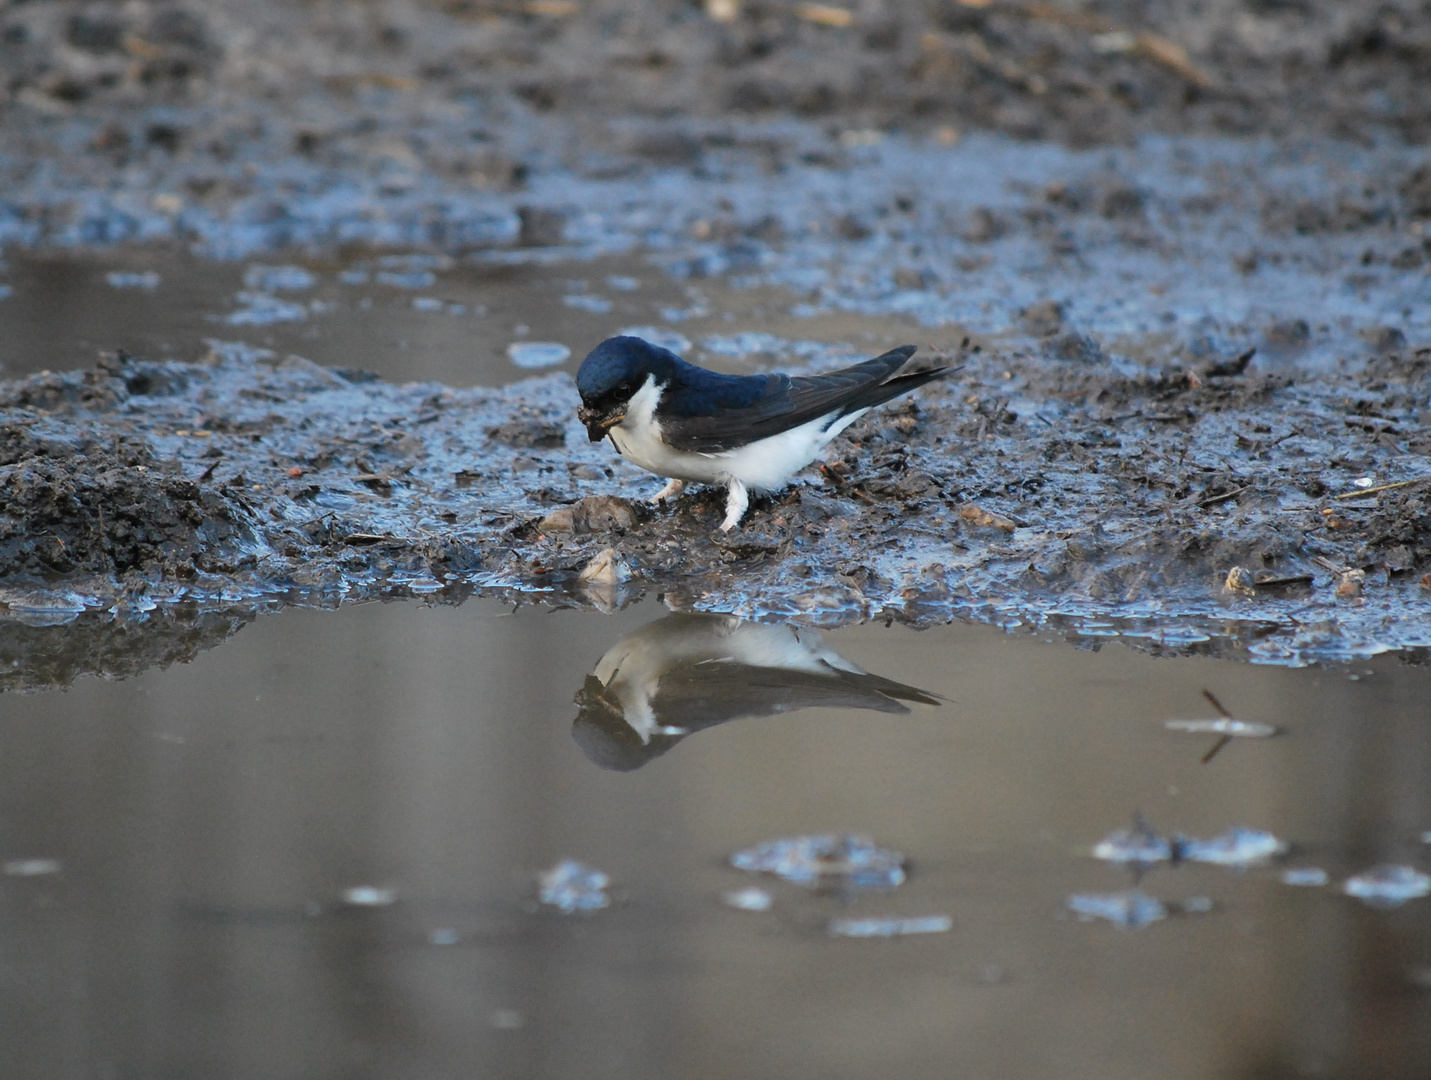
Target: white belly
766, 465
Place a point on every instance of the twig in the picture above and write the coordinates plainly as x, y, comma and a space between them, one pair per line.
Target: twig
1383, 487
1216, 749
1224, 496
1217, 705
1226, 738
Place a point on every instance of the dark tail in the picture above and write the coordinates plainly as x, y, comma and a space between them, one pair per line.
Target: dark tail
880, 392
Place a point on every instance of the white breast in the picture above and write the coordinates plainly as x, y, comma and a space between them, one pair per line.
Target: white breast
765, 465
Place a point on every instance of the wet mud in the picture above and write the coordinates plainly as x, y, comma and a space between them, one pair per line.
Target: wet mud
1196, 335
247, 479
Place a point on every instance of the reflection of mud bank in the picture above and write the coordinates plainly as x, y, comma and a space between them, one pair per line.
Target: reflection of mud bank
244, 480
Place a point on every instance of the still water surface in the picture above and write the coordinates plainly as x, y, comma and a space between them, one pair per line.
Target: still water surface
206, 821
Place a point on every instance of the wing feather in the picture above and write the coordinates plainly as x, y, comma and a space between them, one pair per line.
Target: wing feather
789, 402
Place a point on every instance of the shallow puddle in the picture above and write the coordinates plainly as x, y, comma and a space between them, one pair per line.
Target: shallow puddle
317, 850
406, 318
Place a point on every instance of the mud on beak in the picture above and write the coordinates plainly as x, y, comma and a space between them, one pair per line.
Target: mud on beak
597, 423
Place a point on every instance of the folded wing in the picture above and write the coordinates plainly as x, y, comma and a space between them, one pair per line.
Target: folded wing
789, 402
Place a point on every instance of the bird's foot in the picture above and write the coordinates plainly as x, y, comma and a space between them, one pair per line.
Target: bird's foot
737, 499
670, 491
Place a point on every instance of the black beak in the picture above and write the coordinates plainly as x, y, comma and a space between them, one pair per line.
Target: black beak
597, 424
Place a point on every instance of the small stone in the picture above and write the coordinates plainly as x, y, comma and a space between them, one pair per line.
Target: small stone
1351, 584
1239, 581
595, 513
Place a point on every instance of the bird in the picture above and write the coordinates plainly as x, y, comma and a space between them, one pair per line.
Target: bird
690, 671
747, 432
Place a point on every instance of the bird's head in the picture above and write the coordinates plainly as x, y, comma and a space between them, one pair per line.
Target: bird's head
611, 375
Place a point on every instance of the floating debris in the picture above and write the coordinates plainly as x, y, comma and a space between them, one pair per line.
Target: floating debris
277, 278
887, 928
1196, 905
1238, 729
260, 309
573, 886
444, 937
31, 867
537, 354
751, 899
586, 302
1237, 847
1387, 886
427, 303
1227, 727
369, 896
1127, 910
1307, 877
119, 279
1140, 845
827, 858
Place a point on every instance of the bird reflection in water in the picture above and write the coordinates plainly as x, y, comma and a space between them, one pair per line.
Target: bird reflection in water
689, 672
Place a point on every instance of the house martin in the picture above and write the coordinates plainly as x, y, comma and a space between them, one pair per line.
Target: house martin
691, 671
747, 432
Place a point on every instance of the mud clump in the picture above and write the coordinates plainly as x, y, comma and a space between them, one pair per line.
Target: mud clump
71, 501
526, 433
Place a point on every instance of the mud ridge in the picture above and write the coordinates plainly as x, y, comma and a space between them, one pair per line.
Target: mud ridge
1157, 505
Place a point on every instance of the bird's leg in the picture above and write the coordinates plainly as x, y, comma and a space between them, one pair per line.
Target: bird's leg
736, 500
670, 491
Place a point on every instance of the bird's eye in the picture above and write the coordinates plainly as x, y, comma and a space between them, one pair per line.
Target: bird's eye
624, 387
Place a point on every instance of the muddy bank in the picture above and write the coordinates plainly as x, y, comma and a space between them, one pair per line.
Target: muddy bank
1113, 459
262, 124
1032, 490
